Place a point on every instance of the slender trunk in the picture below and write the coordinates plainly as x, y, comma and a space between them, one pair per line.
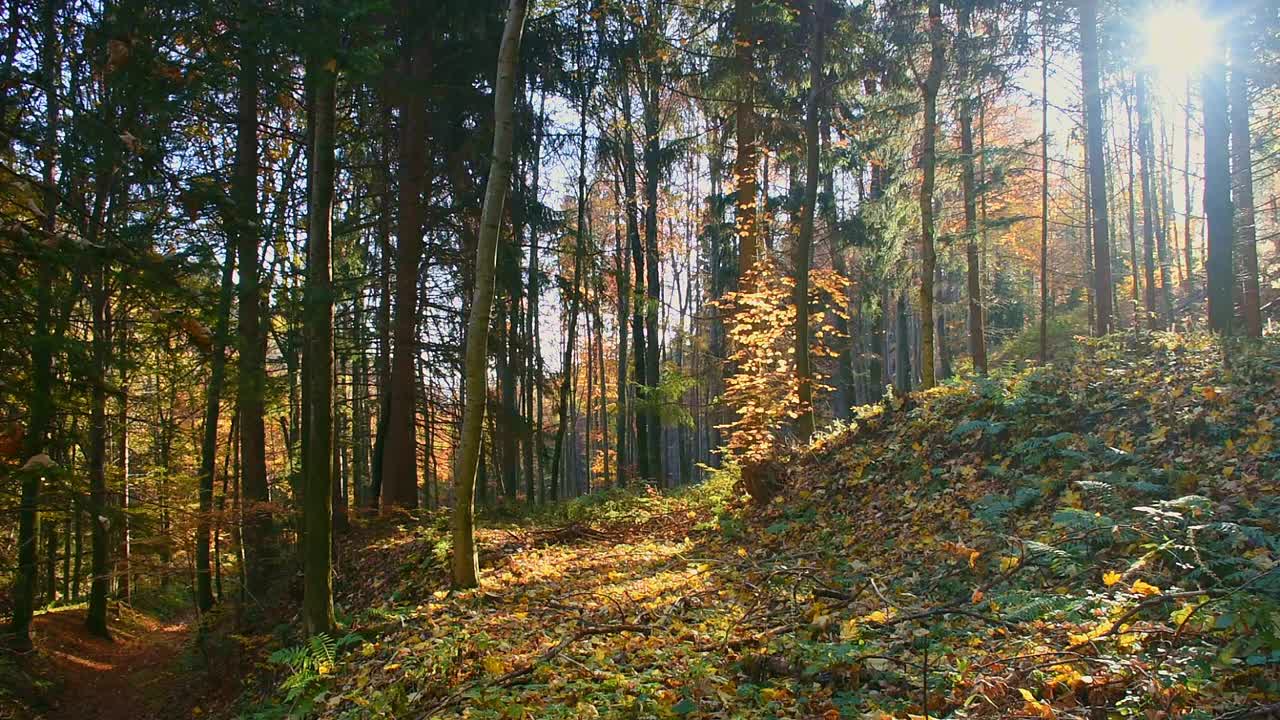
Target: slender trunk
1133, 221
804, 241
259, 555
653, 278
1242, 183
1090, 76
209, 441
1146, 157
745, 218
639, 346
1188, 251
96, 620
317, 470
399, 460
40, 402
973, 270
465, 566
1217, 192
928, 166
1044, 190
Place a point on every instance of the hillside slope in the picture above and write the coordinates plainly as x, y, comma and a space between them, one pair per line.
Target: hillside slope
1096, 540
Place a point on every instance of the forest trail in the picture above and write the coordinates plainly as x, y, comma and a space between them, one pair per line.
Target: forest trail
136, 675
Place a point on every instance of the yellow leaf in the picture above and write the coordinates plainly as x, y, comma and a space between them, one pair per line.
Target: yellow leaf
493, 665
849, 629
1143, 588
1111, 577
1008, 563
878, 616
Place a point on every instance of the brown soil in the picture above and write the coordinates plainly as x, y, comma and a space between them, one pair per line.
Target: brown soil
136, 675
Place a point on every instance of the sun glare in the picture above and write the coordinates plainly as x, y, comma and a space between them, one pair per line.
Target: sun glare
1178, 40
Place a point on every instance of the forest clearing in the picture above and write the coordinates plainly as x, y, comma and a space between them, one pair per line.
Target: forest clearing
876, 359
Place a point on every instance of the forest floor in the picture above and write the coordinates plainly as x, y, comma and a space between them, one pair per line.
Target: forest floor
1095, 540
136, 675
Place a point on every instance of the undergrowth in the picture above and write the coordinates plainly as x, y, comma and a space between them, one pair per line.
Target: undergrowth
1095, 539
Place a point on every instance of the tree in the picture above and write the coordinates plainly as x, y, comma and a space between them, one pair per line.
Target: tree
1217, 191
317, 496
40, 402
804, 240
929, 87
973, 270
465, 564
1242, 178
1091, 80
258, 524
399, 463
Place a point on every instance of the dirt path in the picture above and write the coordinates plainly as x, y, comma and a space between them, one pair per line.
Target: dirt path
135, 676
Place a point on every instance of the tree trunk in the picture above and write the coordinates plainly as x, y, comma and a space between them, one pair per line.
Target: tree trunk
1242, 182
40, 401
465, 561
804, 241
317, 470
209, 441
745, 217
259, 555
1217, 192
1090, 78
973, 274
399, 453
928, 166
96, 621
1044, 190
653, 279
1146, 156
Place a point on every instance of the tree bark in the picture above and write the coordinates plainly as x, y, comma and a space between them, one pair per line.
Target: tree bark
1242, 182
1217, 192
928, 166
973, 273
465, 564
209, 441
40, 402
399, 452
804, 241
317, 470
258, 522
1091, 80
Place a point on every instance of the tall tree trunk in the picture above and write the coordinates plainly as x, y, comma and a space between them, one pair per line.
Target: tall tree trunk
40, 401
317, 470
1044, 188
1217, 190
973, 269
639, 346
533, 443
1242, 181
928, 166
209, 441
96, 620
745, 216
1187, 250
399, 460
259, 554
1091, 80
804, 241
1131, 140
653, 278
1146, 156
465, 565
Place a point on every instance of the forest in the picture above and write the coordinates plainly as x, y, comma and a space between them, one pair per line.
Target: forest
885, 359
